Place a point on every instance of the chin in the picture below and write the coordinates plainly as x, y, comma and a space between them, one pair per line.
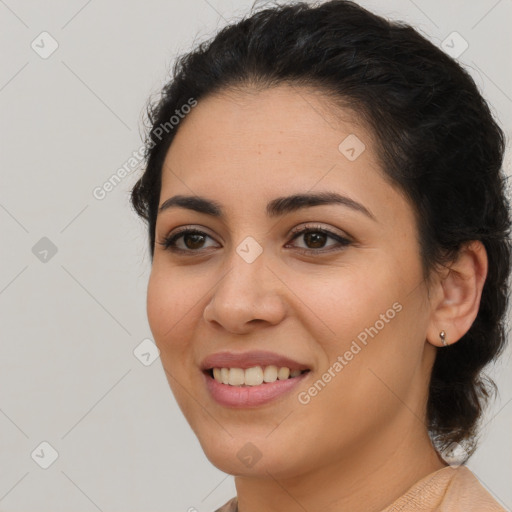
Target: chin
251, 456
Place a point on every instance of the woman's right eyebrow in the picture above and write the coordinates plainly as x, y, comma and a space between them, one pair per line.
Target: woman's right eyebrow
275, 208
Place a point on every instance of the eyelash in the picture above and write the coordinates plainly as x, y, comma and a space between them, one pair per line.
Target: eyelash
169, 242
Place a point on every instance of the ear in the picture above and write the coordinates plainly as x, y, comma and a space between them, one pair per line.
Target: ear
456, 294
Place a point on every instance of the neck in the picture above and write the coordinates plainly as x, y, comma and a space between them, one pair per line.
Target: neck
369, 480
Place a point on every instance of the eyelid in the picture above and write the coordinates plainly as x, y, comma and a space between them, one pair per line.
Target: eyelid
183, 230
293, 231
190, 227
329, 230
342, 239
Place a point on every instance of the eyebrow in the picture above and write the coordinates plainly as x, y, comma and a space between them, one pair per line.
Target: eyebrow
275, 208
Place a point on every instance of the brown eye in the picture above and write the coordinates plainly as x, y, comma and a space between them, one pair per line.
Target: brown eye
186, 240
315, 239
193, 240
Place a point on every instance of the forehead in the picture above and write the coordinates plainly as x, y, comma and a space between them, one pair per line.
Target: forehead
252, 145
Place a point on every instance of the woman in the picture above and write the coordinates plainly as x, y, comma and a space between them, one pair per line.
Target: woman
329, 238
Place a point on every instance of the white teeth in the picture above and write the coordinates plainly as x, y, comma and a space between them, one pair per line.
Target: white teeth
283, 373
270, 373
224, 375
236, 376
253, 376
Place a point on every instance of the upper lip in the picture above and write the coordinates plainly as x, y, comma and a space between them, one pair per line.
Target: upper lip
249, 359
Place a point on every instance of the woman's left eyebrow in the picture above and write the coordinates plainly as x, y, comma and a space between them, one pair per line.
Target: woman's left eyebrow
275, 208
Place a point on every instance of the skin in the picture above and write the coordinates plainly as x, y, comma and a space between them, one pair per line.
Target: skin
362, 441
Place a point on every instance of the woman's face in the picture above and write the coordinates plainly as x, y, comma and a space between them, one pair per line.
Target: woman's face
352, 309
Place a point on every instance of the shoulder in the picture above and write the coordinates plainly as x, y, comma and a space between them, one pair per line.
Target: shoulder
450, 489
465, 492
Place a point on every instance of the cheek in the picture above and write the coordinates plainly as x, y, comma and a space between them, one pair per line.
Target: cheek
171, 309
376, 325
170, 300
348, 302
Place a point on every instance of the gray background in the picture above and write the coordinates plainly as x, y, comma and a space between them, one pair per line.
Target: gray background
71, 320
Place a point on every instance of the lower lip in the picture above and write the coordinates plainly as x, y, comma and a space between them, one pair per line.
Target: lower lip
250, 396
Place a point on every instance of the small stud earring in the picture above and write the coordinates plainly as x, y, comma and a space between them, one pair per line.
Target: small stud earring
442, 335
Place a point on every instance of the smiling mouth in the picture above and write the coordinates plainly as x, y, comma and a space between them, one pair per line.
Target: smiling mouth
254, 376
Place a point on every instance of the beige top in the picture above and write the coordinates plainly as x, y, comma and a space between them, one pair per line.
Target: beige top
450, 489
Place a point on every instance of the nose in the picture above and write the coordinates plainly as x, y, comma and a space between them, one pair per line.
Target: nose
247, 296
